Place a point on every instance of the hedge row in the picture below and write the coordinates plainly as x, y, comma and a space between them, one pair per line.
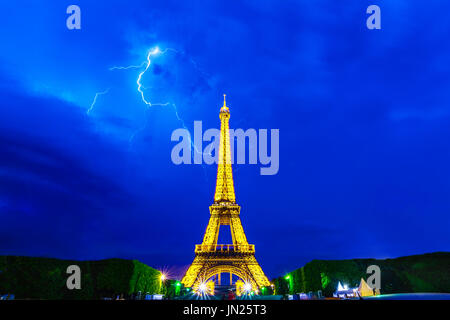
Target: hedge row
45, 278
419, 273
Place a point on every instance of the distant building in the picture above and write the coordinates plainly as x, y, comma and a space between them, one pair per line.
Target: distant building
344, 292
363, 290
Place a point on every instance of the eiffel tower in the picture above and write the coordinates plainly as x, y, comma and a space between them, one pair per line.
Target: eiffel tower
212, 259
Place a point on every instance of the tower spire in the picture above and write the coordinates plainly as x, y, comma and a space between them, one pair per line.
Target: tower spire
224, 107
224, 182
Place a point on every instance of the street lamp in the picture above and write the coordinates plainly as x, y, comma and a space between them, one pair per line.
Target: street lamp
288, 277
162, 279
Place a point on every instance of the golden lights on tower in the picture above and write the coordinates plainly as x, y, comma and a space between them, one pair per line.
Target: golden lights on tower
238, 258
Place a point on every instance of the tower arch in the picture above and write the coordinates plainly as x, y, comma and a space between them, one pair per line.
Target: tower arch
240, 272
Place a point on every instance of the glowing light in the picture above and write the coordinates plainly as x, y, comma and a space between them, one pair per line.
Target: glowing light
287, 277
202, 288
247, 287
155, 51
163, 277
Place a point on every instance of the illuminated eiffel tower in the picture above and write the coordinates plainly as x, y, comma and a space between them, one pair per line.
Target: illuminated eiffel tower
211, 258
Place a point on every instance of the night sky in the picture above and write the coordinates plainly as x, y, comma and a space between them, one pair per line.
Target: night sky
364, 120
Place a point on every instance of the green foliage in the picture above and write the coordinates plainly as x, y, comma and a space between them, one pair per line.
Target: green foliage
325, 280
144, 279
419, 273
266, 291
173, 288
44, 278
281, 286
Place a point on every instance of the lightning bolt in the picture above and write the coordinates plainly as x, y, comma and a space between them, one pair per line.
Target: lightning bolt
127, 67
154, 52
95, 100
194, 147
140, 88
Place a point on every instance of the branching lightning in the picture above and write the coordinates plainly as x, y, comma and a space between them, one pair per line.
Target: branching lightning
128, 67
95, 100
140, 88
155, 51
152, 52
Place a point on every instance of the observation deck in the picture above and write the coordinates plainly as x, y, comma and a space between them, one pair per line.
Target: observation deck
225, 248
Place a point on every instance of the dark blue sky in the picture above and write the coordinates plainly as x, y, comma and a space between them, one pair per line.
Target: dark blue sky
364, 119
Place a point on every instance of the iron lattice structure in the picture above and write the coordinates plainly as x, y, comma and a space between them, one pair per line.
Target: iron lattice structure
212, 258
